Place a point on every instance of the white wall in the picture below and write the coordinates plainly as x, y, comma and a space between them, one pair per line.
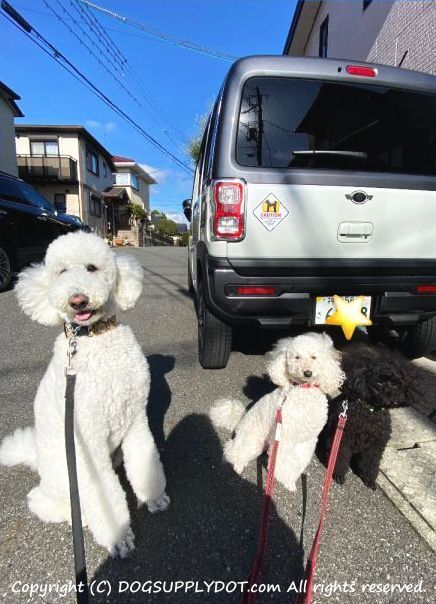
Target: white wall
380, 34
8, 158
352, 31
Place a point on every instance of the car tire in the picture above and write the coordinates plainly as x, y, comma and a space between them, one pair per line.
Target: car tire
214, 336
419, 340
6, 269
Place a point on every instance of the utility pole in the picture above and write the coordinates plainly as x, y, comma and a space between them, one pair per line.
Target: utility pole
259, 142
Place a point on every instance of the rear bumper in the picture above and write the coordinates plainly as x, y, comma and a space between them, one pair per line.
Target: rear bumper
392, 286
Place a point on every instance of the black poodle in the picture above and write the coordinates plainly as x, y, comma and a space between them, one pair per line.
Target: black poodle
377, 380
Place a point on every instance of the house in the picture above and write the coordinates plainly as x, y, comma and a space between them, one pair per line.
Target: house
391, 32
69, 167
8, 111
131, 184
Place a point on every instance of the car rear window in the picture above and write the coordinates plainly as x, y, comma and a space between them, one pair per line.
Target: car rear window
302, 123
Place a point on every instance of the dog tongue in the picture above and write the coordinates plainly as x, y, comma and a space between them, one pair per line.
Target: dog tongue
82, 316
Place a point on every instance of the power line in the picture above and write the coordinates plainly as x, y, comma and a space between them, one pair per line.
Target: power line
60, 58
94, 24
88, 48
127, 70
103, 47
186, 44
121, 65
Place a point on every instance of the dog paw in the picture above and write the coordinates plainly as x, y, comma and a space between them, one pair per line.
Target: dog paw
48, 509
125, 547
338, 478
159, 505
238, 467
371, 484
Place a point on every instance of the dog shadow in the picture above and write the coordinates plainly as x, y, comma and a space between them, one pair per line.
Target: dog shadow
256, 387
210, 531
159, 398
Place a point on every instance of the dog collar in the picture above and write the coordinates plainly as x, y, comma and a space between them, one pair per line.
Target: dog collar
95, 329
305, 385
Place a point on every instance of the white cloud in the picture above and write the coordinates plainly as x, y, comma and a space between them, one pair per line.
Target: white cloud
159, 174
104, 127
179, 181
177, 217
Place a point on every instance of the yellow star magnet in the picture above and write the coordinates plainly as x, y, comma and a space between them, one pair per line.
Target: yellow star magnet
348, 315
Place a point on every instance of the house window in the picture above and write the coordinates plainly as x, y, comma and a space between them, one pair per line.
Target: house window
94, 205
366, 3
126, 179
134, 181
60, 201
122, 179
323, 37
44, 148
92, 161
104, 170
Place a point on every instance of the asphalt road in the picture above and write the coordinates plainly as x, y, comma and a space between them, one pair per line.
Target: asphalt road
210, 531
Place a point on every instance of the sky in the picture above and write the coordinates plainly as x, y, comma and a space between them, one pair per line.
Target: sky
164, 87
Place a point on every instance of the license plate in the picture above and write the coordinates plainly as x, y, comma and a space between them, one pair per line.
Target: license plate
325, 307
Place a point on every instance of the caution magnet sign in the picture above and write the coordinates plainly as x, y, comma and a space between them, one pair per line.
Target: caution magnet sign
270, 212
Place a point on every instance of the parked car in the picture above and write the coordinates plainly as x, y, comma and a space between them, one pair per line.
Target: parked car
315, 177
28, 224
73, 221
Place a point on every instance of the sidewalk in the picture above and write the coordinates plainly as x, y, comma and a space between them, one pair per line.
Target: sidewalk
408, 469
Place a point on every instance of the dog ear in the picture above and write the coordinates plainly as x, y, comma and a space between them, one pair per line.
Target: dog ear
31, 290
276, 363
129, 281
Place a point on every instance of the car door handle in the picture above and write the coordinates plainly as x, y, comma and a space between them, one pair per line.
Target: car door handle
42, 218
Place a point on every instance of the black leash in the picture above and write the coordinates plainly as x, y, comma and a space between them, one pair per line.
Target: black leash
82, 593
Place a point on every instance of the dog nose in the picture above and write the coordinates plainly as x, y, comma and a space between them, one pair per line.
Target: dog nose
78, 301
307, 373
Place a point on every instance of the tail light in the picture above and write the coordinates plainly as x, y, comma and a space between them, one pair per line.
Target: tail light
361, 70
426, 289
252, 290
229, 214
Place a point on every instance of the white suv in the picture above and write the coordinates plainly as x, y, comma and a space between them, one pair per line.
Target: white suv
316, 177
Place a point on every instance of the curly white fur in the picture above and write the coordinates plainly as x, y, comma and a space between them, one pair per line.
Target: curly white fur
111, 394
304, 410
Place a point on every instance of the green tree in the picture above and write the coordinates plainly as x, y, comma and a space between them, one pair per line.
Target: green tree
158, 213
184, 239
137, 212
194, 144
166, 227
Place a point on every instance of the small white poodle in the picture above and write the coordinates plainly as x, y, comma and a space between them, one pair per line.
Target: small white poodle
305, 369
83, 282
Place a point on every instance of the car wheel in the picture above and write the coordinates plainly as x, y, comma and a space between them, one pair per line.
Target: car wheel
214, 336
6, 270
420, 339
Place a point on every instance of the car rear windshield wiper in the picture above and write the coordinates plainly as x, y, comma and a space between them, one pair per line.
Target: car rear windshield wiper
360, 154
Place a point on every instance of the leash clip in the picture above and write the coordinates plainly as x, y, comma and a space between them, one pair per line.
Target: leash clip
72, 348
344, 409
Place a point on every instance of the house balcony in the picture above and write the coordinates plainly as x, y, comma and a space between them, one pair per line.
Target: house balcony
47, 169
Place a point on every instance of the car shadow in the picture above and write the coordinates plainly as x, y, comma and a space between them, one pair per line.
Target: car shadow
159, 398
209, 533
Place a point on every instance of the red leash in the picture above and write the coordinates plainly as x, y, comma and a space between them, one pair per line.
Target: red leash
306, 597
248, 597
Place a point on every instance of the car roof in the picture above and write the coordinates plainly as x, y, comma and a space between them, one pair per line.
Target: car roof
332, 69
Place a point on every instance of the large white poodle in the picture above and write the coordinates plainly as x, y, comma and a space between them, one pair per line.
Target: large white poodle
83, 282
305, 369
